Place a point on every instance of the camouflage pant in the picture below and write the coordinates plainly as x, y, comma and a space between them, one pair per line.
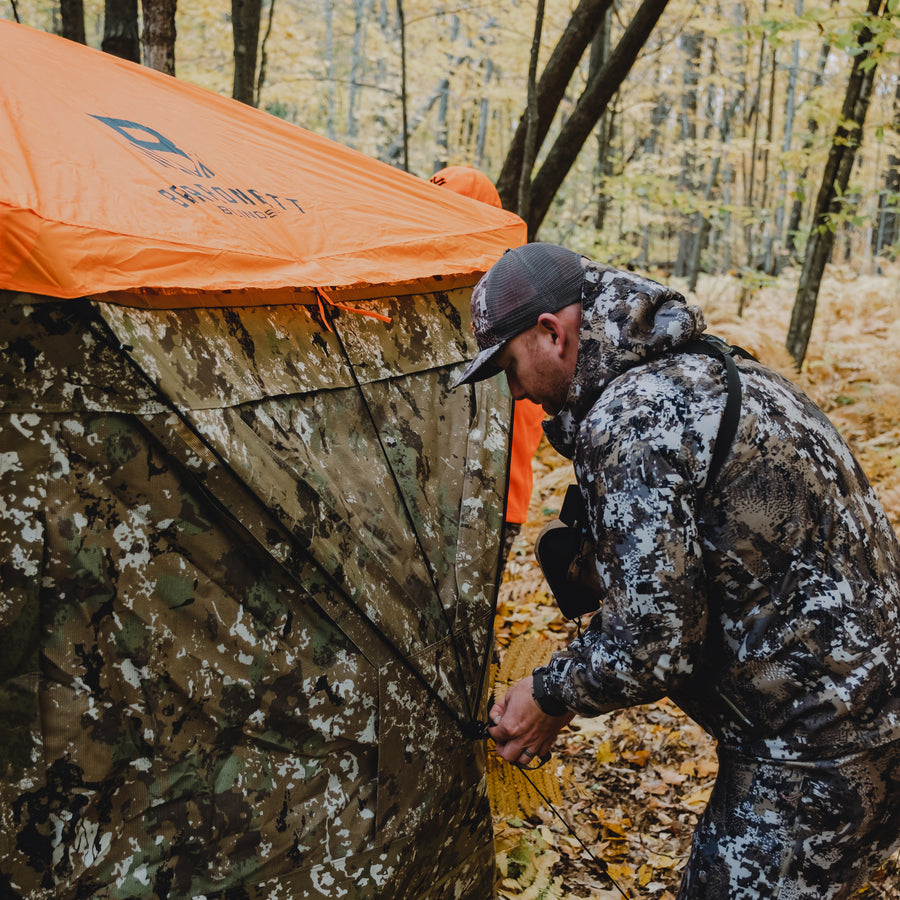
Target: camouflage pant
795, 830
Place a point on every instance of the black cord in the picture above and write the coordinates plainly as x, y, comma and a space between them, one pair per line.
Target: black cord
468, 700
604, 869
469, 727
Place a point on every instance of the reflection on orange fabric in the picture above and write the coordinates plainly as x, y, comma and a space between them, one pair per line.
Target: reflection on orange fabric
115, 177
526, 436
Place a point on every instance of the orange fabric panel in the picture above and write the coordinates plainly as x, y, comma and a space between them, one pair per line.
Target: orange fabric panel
114, 177
527, 433
470, 182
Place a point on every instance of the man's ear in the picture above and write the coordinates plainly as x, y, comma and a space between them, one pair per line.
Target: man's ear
554, 328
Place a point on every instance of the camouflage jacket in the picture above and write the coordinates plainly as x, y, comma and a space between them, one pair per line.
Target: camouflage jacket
765, 606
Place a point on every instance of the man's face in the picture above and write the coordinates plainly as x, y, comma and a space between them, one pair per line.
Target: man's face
535, 370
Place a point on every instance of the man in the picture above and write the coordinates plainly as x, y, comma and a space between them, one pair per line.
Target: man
765, 604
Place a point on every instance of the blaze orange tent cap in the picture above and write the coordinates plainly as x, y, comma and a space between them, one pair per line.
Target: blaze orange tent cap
115, 177
470, 182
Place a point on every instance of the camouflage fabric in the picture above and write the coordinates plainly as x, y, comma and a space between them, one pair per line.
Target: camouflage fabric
767, 605
795, 830
246, 597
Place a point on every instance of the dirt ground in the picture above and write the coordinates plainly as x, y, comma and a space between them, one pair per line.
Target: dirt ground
623, 792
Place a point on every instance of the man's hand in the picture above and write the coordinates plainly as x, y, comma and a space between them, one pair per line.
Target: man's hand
521, 729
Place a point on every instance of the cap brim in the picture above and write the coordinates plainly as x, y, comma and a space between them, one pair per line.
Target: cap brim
481, 367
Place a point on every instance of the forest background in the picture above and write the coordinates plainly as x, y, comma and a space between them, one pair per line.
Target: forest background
748, 153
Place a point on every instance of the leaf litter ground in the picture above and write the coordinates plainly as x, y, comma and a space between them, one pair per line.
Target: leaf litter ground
631, 784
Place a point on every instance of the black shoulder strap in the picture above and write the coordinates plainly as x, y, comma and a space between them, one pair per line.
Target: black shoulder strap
558, 547
573, 512
710, 345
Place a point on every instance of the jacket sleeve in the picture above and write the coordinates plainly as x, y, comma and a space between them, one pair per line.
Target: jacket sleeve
641, 455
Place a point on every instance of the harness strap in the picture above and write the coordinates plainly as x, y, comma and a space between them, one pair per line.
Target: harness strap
564, 547
710, 345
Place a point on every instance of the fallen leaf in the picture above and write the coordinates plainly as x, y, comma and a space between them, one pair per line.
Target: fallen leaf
698, 798
605, 754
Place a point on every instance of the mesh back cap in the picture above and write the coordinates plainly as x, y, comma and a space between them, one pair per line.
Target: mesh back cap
522, 285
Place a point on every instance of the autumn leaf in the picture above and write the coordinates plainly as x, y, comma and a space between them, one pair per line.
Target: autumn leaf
605, 754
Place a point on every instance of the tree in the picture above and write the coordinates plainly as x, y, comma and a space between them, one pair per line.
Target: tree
691, 43
357, 65
400, 145
72, 18
751, 179
120, 29
245, 21
263, 54
590, 106
551, 87
776, 235
330, 68
835, 180
703, 223
523, 201
600, 50
404, 99
441, 131
888, 226
159, 34
811, 129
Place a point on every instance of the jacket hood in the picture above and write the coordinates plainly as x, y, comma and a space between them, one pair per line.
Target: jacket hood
626, 319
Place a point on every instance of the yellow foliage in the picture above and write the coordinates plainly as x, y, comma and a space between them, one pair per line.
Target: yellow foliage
606, 754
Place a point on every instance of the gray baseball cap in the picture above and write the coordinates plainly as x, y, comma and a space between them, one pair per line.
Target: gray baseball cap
522, 285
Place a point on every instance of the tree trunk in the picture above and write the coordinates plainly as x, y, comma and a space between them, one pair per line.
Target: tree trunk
588, 110
600, 50
393, 152
550, 90
887, 220
811, 128
531, 119
770, 126
330, 69
750, 181
401, 21
690, 43
727, 246
357, 66
71, 13
159, 34
442, 148
245, 20
774, 257
651, 144
120, 30
703, 225
483, 111
835, 179
263, 56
